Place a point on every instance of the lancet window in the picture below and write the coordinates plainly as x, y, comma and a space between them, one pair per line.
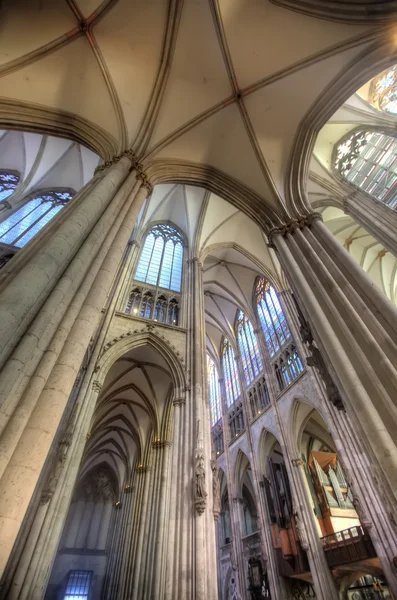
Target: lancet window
8, 183
232, 384
368, 160
78, 585
22, 225
283, 353
160, 268
214, 392
251, 359
161, 260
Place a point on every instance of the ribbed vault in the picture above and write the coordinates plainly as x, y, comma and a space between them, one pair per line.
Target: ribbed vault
131, 413
208, 83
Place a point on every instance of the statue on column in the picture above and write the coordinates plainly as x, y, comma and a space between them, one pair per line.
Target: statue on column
200, 494
216, 490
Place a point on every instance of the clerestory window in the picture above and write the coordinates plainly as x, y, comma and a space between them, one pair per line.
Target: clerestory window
283, 353
161, 260
214, 392
22, 225
232, 384
78, 585
271, 316
251, 359
8, 183
368, 160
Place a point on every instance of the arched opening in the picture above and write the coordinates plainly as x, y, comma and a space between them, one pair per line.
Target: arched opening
130, 423
287, 534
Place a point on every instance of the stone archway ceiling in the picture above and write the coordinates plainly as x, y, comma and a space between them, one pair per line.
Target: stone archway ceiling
130, 411
219, 83
326, 191
44, 162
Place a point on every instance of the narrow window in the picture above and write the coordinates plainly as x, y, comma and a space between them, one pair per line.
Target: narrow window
8, 183
214, 392
78, 585
252, 362
232, 383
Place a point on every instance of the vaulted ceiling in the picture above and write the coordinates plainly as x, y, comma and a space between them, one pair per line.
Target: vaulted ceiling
220, 83
45, 162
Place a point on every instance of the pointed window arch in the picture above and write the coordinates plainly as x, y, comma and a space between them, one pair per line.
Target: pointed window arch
8, 183
160, 263
367, 159
271, 316
214, 391
20, 227
232, 384
249, 350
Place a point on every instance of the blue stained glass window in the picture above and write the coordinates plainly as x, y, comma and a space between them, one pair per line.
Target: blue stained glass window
232, 384
251, 359
8, 184
20, 227
214, 391
78, 585
271, 316
162, 257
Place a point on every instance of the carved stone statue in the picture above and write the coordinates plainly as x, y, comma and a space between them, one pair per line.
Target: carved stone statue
200, 494
216, 490
301, 531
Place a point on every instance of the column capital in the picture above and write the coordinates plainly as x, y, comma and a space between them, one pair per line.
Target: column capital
292, 225
179, 402
297, 462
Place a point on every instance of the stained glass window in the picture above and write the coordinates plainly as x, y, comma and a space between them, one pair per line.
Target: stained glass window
8, 184
161, 260
271, 316
214, 392
368, 160
230, 373
383, 90
24, 223
78, 585
252, 362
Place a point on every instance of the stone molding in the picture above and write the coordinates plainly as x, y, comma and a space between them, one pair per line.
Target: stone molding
297, 462
159, 444
96, 386
179, 402
291, 226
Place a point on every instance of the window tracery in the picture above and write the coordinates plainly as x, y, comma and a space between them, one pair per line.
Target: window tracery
160, 268
368, 160
8, 183
271, 316
383, 91
232, 384
22, 225
214, 392
283, 353
251, 359
160, 263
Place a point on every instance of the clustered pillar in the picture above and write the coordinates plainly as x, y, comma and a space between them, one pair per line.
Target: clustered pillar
49, 310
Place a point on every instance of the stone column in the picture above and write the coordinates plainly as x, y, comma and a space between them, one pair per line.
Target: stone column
205, 556
355, 326
24, 467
